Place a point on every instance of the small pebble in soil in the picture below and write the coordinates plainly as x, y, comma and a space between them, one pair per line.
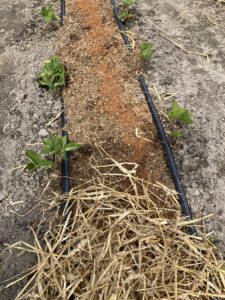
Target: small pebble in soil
43, 133
2, 196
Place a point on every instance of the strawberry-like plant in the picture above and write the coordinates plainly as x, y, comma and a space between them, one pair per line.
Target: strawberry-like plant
52, 74
48, 14
57, 146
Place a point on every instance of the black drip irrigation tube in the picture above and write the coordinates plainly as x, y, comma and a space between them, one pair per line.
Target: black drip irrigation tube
62, 10
185, 207
119, 23
65, 162
65, 170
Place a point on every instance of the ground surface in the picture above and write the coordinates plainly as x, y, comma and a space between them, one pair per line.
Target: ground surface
104, 102
25, 111
195, 75
105, 105
199, 84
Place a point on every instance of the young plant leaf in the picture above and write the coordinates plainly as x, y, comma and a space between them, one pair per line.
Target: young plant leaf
37, 162
178, 113
52, 74
55, 145
146, 50
64, 140
176, 133
126, 3
30, 166
125, 12
124, 16
72, 146
34, 157
58, 146
48, 14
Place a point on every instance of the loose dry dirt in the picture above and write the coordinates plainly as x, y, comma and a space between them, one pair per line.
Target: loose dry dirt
104, 103
103, 100
25, 109
199, 83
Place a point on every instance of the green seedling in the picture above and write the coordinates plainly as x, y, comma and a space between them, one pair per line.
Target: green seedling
55, 145
125, 13
146, 50
48, 14
178, 113
58, 146
37, 162
126, 3
175, 133
52, 74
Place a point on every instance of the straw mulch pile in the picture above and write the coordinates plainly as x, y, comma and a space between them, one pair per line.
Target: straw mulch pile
117, 240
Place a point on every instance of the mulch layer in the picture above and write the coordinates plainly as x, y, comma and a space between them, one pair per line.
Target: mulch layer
103, 100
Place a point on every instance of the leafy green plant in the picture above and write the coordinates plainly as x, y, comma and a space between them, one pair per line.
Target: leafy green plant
52, 74
146, 50
126, 3
58, 146
125, 6
125, 15
48, 14
176, 133
55, 145
178, 113
37, 162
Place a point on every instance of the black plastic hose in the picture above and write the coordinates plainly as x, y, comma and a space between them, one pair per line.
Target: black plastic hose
65, 173
185, 208
62, 10
119, 23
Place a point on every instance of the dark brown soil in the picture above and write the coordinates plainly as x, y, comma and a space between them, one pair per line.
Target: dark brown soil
104, 103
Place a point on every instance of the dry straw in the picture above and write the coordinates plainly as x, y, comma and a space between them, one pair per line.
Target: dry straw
121, 238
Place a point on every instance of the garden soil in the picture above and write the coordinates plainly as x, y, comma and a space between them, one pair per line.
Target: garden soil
25, 109
105, 106
189, 60
104, 102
